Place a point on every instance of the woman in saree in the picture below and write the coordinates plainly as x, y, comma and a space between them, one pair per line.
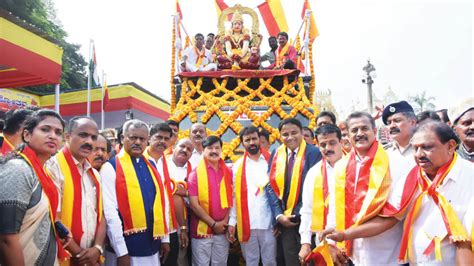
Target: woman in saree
28, 196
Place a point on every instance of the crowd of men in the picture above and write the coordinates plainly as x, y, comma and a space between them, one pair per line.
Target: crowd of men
145, 197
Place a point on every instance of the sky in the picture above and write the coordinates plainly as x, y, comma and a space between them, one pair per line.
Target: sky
415, 45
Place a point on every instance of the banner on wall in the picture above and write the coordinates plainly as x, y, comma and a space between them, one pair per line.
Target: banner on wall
13, 99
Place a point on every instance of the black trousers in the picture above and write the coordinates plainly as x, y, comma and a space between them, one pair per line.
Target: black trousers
172, 259
288, 247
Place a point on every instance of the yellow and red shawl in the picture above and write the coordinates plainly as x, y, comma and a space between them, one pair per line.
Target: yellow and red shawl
204, 197
281, 54
7, 147
49, 189
130, 200
241, 199
455, 229
320, 199
71, 203
277, 175
320, 255
359, 202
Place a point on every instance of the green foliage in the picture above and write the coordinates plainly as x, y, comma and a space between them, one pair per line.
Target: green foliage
41, 14
422, 102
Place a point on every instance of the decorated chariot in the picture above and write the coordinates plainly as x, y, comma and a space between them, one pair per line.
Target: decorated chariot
240, 92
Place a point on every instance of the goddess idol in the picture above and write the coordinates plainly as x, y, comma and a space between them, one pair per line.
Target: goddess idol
241, 50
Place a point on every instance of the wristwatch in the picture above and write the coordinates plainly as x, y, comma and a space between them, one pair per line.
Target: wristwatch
98, 247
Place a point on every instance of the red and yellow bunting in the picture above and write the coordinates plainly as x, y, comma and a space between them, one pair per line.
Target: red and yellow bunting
130, 200
31, 59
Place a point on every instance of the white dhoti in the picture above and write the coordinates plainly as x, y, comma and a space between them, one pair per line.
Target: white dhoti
192, 68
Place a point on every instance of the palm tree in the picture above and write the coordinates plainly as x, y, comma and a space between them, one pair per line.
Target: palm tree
422, 102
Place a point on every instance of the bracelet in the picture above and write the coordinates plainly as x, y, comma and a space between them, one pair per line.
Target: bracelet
183, 227
98, 247
212, 226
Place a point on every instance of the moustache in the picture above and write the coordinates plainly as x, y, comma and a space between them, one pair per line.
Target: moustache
424, 160
394, 130
86, 146
361, 138
214, 154
327, 153
99, 159
470, 133
183, 153
136, 146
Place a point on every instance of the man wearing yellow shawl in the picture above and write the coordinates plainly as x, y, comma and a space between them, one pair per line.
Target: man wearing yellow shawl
317, 186
210, 197
289, 165
134, 203
251, 213
439, 205
197, 57
362, 185
78, 183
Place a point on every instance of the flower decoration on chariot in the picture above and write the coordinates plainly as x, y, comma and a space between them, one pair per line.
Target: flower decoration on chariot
237, 17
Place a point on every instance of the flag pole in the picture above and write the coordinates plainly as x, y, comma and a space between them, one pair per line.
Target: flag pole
102, 114
56, 97
89, 81
177, 46
307, 40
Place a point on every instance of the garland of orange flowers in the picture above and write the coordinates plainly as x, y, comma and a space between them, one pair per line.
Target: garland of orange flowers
194, 100
312, 83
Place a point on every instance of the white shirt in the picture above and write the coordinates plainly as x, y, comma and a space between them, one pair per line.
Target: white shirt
159, 166
192, 56
259, 210
307, 208
458, 189
114, 224
401, 162
89, 197
195, 159
365, 251
177, 173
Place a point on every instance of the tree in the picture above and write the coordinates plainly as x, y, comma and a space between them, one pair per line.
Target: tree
41, 13
421, 102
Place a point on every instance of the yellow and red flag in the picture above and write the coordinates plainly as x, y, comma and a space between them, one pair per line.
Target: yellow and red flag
313, 29
221, 6
106, 99
273, 16
178, 10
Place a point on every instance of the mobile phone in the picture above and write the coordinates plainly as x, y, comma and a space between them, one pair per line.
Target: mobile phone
296, 218
61, 230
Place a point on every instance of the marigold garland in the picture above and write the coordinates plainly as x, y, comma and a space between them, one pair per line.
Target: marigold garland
194, 100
